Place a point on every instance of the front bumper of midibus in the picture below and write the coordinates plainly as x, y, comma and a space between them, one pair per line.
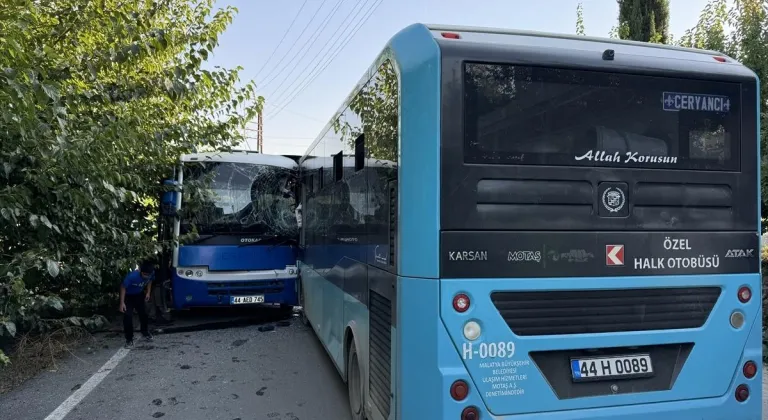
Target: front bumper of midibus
197, 287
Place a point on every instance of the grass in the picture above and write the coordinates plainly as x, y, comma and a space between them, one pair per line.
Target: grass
34, 353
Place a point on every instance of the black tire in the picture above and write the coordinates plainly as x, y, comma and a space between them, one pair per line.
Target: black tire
354, 384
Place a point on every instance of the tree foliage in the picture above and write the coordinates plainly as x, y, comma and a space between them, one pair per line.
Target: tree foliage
742, 33
99, 98
644, 20
580, 20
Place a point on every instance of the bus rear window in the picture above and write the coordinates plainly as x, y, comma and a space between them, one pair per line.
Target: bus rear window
547, 116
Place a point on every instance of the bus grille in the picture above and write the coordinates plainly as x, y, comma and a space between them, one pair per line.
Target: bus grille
605, 311
380, 342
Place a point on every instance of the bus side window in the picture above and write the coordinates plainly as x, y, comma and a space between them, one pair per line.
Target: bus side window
338, 166
360, 152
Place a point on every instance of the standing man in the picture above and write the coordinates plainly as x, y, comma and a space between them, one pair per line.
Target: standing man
134, 291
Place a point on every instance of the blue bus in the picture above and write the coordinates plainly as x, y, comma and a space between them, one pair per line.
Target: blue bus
555, 227
244, 231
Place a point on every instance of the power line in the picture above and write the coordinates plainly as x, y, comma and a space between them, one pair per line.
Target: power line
300, 55
312, 75
294, 43
322, 65
272, 54
333, 38
305, 116
328, 62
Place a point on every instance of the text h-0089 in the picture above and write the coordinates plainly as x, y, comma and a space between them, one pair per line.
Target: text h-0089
500, 349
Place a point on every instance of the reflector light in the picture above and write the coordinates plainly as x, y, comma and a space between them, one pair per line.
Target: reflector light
472, 330
750, 369
745, 294
470, 413
461, 302
737, 320
459, 390
720, 59
742, 393
450, 35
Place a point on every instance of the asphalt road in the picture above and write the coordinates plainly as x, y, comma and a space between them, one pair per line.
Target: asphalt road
238, 373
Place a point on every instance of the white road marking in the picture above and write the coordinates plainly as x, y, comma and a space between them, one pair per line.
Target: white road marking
91, 384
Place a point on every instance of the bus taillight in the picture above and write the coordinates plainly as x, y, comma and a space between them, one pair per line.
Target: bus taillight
742, 393
750, 369
470, 413
459, 390
745, 294
461, 302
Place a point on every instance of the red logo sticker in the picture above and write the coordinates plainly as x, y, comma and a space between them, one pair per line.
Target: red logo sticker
614, 255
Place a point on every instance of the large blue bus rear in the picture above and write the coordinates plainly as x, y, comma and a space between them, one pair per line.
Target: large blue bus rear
245, 231
571, 232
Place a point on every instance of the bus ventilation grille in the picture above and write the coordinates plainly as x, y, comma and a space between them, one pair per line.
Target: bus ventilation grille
605, 311
380, 337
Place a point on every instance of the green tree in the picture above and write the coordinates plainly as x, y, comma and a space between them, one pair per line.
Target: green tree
580, 20
99, 98
644, 20
747, 42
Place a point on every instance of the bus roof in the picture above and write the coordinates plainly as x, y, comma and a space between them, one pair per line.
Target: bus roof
555, 37
242, 157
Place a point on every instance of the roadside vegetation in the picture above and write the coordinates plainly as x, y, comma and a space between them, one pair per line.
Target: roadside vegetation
99, 98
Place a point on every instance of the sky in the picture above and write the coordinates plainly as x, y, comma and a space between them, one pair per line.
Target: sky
335, 37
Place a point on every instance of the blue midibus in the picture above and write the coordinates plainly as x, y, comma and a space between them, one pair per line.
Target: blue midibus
562, 227
245, 231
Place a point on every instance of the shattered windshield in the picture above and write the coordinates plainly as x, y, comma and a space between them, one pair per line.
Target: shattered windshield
228, 197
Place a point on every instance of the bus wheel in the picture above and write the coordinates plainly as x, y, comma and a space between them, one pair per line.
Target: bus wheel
354, 384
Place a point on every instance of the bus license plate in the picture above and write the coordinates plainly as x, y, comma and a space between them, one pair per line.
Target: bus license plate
247, 299
611, 367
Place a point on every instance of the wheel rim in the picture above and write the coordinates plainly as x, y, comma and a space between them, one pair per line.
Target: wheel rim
354, 386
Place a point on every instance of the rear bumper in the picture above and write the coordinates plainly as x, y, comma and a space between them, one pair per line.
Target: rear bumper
723, 408
188, 293
714, 367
